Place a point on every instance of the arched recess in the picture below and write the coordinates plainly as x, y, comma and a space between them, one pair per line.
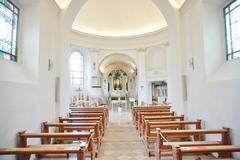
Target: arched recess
174, 59
115, 63
115, 58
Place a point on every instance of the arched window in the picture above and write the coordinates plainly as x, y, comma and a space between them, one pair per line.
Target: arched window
76, 68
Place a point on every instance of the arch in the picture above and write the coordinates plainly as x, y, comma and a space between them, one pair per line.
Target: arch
107, 60
172, 18
87, 63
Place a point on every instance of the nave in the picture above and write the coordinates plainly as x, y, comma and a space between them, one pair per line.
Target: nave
121, 133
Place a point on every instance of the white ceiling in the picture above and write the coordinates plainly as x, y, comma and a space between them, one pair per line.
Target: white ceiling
64, 3
117, 18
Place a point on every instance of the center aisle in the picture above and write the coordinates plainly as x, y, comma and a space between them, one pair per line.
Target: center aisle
121, 140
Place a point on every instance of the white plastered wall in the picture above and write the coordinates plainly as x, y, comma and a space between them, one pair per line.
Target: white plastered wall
27, 91
156, 67
213, 85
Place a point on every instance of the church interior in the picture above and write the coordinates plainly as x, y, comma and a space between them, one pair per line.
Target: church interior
119, 79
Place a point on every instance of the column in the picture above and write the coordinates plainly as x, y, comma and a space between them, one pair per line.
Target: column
141, 75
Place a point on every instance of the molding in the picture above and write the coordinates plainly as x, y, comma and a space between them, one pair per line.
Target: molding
142, 49
98, 43
94, 50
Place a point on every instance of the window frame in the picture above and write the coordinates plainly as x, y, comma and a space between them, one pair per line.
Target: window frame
230, 28
80, 72
15, 59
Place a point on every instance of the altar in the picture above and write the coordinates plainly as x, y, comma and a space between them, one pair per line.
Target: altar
118, 88
118, 98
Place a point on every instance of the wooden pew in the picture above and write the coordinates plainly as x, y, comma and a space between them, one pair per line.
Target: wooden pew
158, 119
84, 120
79, 108
76, 109
224, 151
97, 114
76, 127
142, 114
24, 150
91, 110
137, 109
150, 134
164, 137
151, 126
147, 109
139, 112
24, 153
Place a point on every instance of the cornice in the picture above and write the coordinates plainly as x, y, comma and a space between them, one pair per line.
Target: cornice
102, 43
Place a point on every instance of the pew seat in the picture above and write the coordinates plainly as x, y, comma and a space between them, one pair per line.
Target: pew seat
70, 127
84, 120
150, 134
85, 138
24, 153
178, 151
164, 138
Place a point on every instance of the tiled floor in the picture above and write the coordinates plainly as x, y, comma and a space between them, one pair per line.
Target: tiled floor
122, 141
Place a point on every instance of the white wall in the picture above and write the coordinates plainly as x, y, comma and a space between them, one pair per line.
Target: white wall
156, 67
214, 100
156, 64
27, 103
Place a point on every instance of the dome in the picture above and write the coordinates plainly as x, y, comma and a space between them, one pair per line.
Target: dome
119, 18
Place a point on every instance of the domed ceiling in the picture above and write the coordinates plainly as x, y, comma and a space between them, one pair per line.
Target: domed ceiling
117, 18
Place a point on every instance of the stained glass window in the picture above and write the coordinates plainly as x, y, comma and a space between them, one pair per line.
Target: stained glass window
232, 29
76, 69
9, 15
